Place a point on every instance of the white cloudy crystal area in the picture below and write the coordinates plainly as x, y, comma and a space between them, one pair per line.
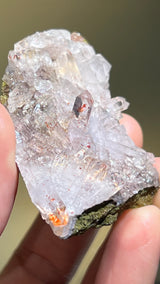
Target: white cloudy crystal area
71, 150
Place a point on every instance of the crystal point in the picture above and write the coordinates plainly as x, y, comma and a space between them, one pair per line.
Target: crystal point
71, 150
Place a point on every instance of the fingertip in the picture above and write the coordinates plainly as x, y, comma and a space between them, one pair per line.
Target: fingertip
7, 141
138, 226
133, 244
5, 121
133, 129
157, 164
8, 169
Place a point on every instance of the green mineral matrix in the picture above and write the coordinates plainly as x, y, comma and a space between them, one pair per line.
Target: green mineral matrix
4, 94
106, 214
79, 165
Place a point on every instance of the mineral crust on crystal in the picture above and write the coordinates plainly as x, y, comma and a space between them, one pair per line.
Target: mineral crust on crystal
71, 150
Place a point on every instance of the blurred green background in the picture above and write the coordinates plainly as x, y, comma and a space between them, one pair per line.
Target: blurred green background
126, 32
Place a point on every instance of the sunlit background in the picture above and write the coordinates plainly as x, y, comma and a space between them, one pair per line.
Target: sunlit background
126, 32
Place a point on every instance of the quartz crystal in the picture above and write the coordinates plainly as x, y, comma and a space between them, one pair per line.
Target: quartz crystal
71, 150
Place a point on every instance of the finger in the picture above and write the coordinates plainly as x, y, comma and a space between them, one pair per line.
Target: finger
133, 129
91, 274
45, 257
157, 164
131, 254
8, 170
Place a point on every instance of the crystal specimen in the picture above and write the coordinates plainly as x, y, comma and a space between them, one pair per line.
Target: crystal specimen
71, 150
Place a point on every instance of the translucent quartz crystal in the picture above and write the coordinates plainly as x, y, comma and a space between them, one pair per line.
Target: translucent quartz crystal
71, 150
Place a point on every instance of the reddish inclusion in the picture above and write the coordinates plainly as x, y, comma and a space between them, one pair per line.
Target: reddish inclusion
81, 109
63, 220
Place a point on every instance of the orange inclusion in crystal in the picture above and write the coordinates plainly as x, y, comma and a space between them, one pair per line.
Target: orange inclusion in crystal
81, 109
57, 221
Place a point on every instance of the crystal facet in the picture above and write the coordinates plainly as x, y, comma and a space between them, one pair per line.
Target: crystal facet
71, 150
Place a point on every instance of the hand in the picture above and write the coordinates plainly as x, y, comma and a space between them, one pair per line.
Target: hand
129, 255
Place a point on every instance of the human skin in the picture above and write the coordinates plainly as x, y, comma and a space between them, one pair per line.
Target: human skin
130, 253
